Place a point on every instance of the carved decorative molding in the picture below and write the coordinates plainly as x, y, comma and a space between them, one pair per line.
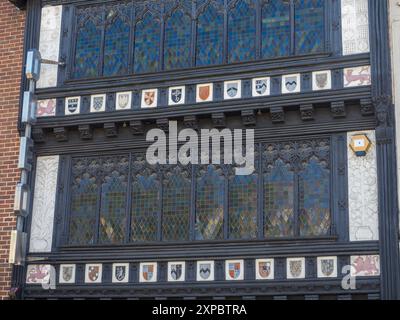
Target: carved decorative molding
338, 109
111, 129
219, 120
277, 115
307, 112
44, 204
137, 127
85, 132
249, 118
61, 134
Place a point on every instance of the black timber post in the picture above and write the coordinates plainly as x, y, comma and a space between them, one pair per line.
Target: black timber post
386, 149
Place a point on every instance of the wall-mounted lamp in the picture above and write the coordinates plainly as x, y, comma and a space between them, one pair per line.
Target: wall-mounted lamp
360, 145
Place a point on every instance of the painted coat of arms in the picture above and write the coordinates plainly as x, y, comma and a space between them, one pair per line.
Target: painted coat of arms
123, 100
261, 86
176, 95
291, 83
46, 108
93, 273
148, 272
72, 105
205, 270
204, 92
176, 271
67, 273
120, 273
234, 270
264, 269
327, 267
296, 268
149, 97
98, 103
321, 80
232, 89
38, 274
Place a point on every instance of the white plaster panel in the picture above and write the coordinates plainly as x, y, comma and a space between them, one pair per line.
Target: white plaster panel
355, 26
49, 44
44, 204
363, 192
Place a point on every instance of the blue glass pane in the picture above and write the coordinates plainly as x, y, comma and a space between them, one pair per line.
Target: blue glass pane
314, 197
145, 207
87, 54
116, 48
243, 207
210, 32
309, 16
176, 206
242, 32
147, 44
177, 41
279, 201
276, 29
210, 204
84, 199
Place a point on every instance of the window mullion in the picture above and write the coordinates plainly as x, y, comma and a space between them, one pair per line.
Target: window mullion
162, 38
132, 27
292, 28
129, 202
258, 28
102, 45
192, 217
225, 36
296, 204
260, 193
160, 205
98, 213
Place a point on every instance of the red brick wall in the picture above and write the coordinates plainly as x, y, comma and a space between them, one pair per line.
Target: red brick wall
12, 23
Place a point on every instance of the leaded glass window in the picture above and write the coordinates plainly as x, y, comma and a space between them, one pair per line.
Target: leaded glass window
297, 189
125, 37
178, 28
176, 205
145, 202
116, 42
276, 30
147, 44
279, 201
123, 199
210, 32
98, 198
309, 26
314, 200
242, 31
210, 195
243, 207
88, 45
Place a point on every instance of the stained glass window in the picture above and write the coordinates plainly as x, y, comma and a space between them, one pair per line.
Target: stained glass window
243, 207
279, 201
145, 206
177, 40
210, 31
147, 44
242, 31
176, 205
83, 215
113, 208
276, 29
88, 50
314, 200
210, 194
116, 44
309, 26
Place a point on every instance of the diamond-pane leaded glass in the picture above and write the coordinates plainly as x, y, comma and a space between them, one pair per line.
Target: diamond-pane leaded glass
176, 206
210, 204
314, 200
309, 26
113, 209
242, 32
147, 44
279, 201
84, 202
210, 32
177, 40
116, 45
145, 207
243, 207
87, 51
276, 29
